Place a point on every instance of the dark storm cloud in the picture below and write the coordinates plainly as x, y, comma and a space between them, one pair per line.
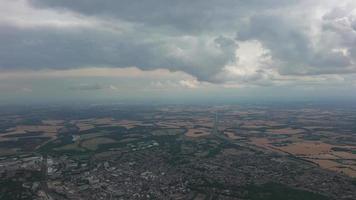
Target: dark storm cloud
70, 48
185, 15
43, 47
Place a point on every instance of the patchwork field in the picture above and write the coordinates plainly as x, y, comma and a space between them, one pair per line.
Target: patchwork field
322, 154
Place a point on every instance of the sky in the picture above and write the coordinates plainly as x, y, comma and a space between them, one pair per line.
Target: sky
170, 50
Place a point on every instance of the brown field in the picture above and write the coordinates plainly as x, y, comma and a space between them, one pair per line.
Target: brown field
87, 124
178, 123
253, 126
317, 152
103, 121
168, 124
126, 123
197, 132
344, 155
205, 121
325, 164
48, 131
6, 152
261, 142
33, 128
53, 122
232, 135
307, 148
84, 126
285, 131
206, 124
313, 150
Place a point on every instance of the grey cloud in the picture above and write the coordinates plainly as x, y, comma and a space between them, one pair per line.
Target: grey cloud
291, 47
39, 48
354, 24
60, 49
92, 87
336, 13
184, 15
342, 27
228, 46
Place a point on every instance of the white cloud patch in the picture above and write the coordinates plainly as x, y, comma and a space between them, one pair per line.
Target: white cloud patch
253, 65
191, 84
177, 84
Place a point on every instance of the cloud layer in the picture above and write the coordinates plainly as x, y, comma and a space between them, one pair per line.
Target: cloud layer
234, 42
